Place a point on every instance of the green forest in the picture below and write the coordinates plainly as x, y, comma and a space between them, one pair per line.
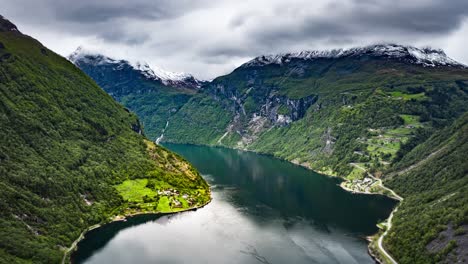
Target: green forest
65, 148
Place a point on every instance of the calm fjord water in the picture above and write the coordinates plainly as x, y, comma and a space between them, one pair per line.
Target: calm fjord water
264, 210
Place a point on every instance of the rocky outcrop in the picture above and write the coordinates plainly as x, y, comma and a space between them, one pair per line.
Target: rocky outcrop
257, 108
6, 25
137, 127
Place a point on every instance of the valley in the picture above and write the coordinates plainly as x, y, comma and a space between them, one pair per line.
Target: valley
359, 114
290, 157
263, 210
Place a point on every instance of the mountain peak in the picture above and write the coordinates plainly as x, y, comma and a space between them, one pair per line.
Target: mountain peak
82, 55
426, 57
6, 25
156, 72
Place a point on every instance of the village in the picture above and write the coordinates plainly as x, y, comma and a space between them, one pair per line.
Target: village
175, 198
360, 185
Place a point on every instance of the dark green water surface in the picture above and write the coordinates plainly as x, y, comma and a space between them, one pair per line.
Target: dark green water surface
264, 210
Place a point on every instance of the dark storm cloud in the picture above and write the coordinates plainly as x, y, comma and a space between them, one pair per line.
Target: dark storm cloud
434, 17
367, 19
135, 38
92, 11
211, 37
95, 13
89, 11
106, 19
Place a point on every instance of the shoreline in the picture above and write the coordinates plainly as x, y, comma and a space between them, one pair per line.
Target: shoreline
392, 195
370, 239
382, 256
397, 198
376, 236
74, 246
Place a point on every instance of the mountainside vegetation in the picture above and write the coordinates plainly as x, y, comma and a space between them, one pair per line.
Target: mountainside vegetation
328, 113
67, 151
152, 99
431, 224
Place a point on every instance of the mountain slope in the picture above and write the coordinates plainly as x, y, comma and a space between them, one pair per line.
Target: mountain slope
431, 224
66, 150
153, 94
327, 111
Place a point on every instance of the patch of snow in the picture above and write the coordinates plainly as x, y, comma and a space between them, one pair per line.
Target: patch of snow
151, 72
430, 57
87, 56
425, 56
159, 74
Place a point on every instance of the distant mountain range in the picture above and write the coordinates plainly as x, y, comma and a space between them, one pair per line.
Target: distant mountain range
82, 56
426, 56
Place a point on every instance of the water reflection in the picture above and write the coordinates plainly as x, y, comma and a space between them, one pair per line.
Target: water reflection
264, 211
290, 189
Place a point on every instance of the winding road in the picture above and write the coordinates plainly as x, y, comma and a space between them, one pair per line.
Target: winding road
379, 242
389, 220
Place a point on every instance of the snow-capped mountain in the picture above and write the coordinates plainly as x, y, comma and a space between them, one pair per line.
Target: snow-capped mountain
83, 56
426, 57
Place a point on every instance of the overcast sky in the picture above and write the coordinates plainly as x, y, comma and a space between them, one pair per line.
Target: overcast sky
211, 37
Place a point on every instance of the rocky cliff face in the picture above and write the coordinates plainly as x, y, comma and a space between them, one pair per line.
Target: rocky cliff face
258, 108
256, 105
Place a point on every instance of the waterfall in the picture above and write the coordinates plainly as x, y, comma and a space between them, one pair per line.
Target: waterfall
162, 134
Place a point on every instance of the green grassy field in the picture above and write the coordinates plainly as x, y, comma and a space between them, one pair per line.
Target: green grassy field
411, 120
135, 190
142, 195
405, 96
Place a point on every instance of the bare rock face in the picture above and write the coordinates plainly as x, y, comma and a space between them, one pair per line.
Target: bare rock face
454, 239
137, 127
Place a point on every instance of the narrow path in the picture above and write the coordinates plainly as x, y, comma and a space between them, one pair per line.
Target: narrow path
379, 242
389, 220
222, 137
414, 166
75, 243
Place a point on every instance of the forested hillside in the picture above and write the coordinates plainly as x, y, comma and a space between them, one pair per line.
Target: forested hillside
66, 150
431, 224
138, 88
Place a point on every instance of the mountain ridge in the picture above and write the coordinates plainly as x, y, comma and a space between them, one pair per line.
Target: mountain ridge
82, 55
7, 25
424, 56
